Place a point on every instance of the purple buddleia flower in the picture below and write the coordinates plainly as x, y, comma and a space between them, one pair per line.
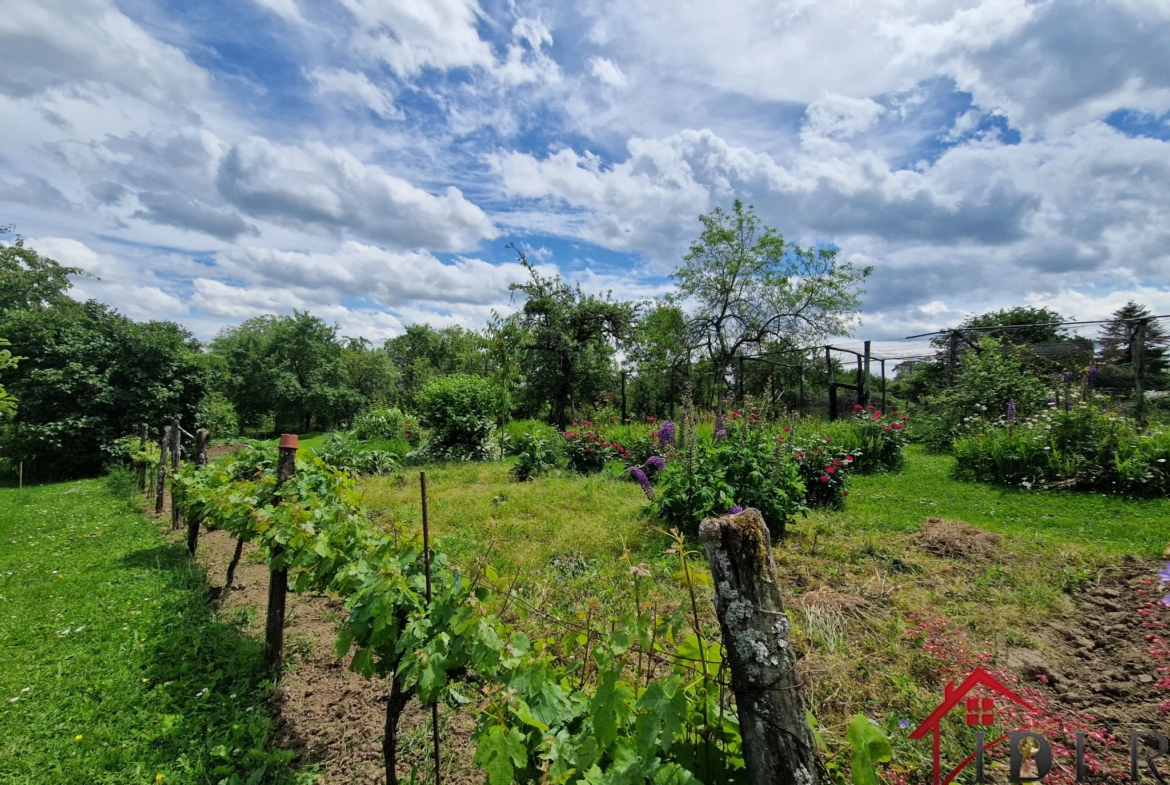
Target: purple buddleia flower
720, 431
1051, 402
643, 480
657, 461
1165, 601
1164, 575
1011, 412
1093, 374
1068, 377
736, 510
666, 434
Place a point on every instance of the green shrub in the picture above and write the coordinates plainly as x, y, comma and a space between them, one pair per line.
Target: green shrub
875, 439
516, 430
218, 416
1084, 448
986, 381
386, 423
587, 450
536, 454
346, 451
459, 412
744, 469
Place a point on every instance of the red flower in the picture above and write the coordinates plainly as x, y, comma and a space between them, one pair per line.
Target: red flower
787, 428
849, 457
612, 420
800, 455
828, 440
588, 423
831, 470
870, 406
846, 493
649, 419
887, 427
857, 406
780, 438
654, 435
575, 425
824, 478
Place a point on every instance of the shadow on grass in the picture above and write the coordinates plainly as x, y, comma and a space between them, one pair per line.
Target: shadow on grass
209, 683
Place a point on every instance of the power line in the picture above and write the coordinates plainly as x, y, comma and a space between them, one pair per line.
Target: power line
1038, 324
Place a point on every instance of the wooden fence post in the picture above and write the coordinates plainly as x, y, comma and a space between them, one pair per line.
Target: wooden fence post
193, 520
832, 385
176, 451
1137, 347
143, 436
286, 467
164, 446
883, 386
777, 741
863, 382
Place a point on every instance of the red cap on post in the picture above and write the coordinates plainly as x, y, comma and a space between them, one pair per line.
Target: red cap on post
288, 441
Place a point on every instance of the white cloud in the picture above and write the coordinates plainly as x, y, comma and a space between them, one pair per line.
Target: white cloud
330, 188
285, 9
357, 88
410, 35
53, 43
608, 72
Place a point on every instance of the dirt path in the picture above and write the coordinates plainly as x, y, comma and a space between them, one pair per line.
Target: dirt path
327, 714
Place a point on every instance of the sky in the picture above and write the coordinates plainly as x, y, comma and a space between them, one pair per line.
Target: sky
371, 160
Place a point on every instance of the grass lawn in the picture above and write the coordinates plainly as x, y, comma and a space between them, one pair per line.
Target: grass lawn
112, 668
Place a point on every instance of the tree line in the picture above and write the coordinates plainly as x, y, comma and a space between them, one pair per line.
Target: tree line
89, 374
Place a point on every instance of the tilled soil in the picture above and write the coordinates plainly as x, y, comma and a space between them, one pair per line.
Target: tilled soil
1101, 660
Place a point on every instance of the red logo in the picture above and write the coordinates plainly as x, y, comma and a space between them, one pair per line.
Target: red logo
980, 713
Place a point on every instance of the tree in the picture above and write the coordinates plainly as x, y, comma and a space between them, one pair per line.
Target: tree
29, 281
1117, 337
572, 334
91, 376
658, 349
423, 353
286, 367
747, 285
369, 374
7, 362
1021, 325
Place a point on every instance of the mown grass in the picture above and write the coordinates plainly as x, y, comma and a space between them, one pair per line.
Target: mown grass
112, 667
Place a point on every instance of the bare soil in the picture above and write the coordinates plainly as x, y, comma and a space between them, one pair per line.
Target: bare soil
327, 714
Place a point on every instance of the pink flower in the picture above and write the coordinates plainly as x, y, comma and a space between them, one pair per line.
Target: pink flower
857, 406
887, 427
849, 457
787, 428
824, 478
831, 470
828, 440
870, 406
846, 493
780, 438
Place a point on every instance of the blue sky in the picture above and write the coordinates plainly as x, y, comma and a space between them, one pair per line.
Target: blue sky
370, 160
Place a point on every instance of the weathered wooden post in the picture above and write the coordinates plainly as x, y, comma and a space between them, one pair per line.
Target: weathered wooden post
832, 385
863, 381
193, 520
143, 435
623, 397
883, 386
176, 451
777, 742
740, 380
164, 445
286, 467
1137, 347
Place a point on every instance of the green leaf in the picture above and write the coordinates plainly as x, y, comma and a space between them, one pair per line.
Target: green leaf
499, 753
870, 746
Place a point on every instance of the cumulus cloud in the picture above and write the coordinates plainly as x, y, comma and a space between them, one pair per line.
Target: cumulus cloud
608, 72
54, 43
330, 188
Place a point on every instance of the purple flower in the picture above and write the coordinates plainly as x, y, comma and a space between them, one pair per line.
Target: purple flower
736, 510
1051, 402
1164, 575
666, 434
643, 480
1068, 377
1067, 405
1093, 374
720, 431
903, 724
1011, 411
657, 461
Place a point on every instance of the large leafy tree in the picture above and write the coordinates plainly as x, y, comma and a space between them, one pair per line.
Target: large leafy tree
572, 337
286, 367
30, 281
369, 374
659, 352
746, 285
423, 353
1118, 335
1021, 325
90, 376
7, 362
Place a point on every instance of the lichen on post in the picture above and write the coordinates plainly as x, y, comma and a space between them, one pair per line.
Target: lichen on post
777, 741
